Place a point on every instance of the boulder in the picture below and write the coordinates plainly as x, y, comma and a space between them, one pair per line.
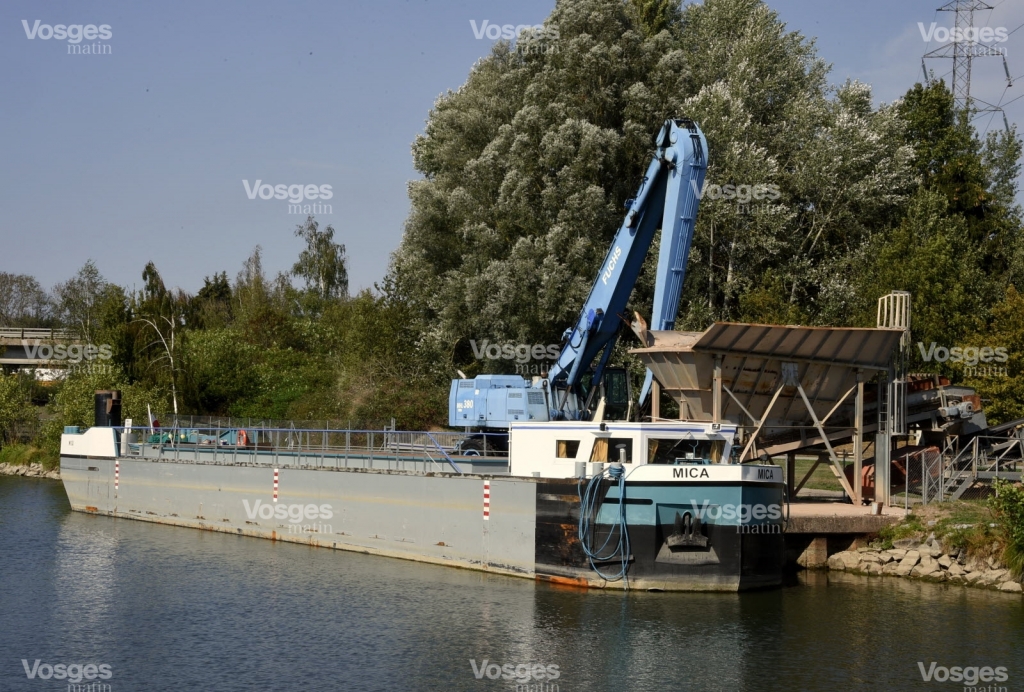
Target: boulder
844, 560
955, 570
871, 567
870, 557
908, 563
904, 543
896, 553
1010, 586
994, 576
945, 561
927, 566
975, 577
891, 568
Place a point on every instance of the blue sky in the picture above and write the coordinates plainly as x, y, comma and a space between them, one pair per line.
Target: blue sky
141, 154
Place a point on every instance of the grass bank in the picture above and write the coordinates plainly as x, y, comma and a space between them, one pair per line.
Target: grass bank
26, 454
981, 529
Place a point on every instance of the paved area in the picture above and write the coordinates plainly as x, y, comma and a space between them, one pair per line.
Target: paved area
837, 509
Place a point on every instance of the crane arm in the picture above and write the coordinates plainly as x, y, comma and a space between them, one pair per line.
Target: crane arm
668, 198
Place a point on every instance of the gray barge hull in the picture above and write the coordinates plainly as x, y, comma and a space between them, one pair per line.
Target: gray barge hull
427, 517
405, 505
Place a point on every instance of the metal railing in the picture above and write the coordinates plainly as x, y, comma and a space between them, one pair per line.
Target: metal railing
36, 333
960, 473
307, 447
472, 444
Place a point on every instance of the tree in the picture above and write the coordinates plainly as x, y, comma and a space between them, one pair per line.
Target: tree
15, 406
77, 300
163, 313
23, 302
978, 180
322, 263
260, 305
74, 402
1003, 393
211, 307
526, 168
931, 255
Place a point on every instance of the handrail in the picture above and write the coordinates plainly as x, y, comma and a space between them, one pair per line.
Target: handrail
293, 441
441, 449
37, 333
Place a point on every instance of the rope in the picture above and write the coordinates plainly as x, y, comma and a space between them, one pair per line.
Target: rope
588, 518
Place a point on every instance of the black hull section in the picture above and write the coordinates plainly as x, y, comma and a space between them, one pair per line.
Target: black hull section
734, 560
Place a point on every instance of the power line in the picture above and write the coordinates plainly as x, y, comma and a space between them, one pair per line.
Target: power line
962, 48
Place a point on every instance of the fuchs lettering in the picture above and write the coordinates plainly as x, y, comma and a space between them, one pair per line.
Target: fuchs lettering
611, 264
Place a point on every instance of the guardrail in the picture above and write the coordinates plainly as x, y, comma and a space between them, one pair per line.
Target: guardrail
40, 334
962, 473
319, 446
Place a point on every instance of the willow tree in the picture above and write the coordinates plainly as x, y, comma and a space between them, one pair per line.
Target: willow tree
527, 166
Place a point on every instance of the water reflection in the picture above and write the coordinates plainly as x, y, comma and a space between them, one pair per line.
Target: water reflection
172, 608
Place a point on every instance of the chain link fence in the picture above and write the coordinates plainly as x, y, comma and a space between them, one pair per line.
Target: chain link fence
929, 475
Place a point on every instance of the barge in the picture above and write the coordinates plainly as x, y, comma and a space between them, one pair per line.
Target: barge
691, 520
586, 492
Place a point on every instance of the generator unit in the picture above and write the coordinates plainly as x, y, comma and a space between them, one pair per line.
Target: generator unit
491, 401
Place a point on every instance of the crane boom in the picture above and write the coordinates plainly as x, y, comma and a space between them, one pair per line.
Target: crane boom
668, 199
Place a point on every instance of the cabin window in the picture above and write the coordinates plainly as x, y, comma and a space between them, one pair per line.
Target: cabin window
661, 451
607, 449
567, 449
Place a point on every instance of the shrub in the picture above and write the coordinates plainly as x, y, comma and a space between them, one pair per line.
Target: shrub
24, 455
1009, 507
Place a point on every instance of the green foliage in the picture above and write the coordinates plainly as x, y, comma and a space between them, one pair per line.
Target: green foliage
978, 180
526, 168
322, 263
25, 455
74, 403
78, 299
23, 302
930, 255
15, 405
911, 526
966, 526
1003, 394
1009, 507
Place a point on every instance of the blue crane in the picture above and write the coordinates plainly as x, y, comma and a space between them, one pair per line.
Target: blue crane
668, 199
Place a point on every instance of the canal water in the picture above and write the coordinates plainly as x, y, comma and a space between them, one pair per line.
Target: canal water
141, 606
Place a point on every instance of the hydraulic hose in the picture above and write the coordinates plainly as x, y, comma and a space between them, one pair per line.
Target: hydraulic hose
589, 507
